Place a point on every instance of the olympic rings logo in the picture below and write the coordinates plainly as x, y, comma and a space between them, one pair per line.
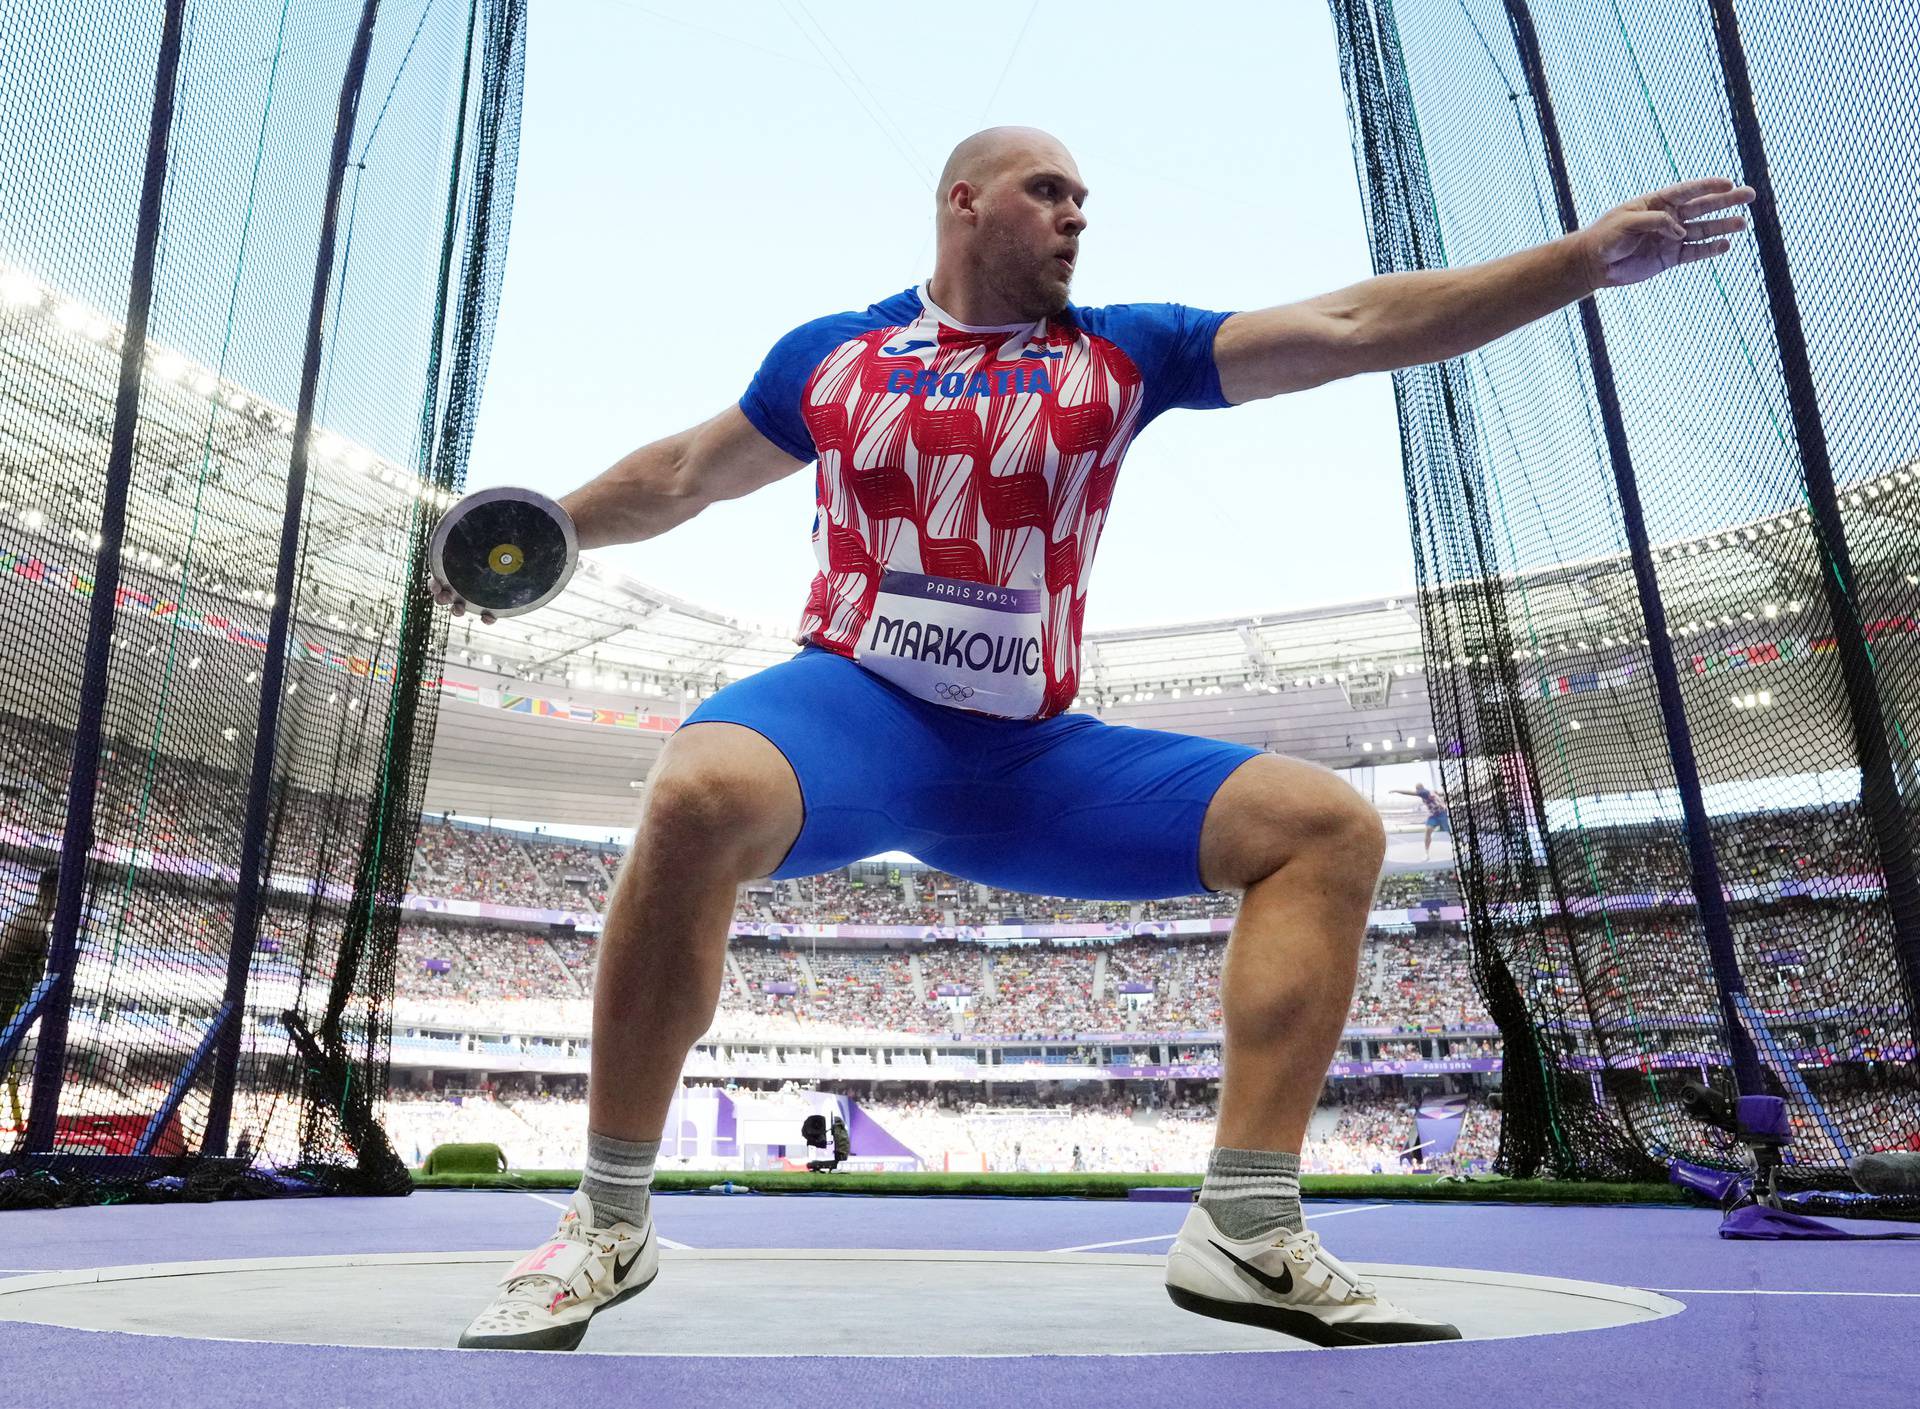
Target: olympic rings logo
952, 692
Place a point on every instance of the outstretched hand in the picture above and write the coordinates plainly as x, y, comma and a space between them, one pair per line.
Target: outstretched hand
1651, 234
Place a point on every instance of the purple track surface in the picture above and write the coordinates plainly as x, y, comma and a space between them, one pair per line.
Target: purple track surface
1842, 1330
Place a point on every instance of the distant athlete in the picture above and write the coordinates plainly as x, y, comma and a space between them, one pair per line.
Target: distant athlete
968, 436
1437, 818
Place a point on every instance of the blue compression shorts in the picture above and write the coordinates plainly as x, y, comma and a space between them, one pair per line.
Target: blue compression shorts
1068, 806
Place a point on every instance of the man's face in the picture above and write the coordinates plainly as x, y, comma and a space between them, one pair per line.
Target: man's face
1032, 213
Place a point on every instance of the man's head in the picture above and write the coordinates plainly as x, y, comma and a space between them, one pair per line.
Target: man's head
1011, 210
49, 886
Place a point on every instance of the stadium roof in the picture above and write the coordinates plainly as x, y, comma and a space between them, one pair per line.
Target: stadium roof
558, 715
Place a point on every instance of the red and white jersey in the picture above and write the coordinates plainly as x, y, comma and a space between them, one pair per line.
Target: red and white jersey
963, 480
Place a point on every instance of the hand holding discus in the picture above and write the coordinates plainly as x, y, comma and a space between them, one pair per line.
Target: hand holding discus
503, 552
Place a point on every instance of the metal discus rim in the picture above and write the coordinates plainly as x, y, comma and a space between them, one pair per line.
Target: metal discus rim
436, 553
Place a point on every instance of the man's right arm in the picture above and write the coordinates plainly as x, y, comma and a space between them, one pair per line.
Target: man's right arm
662, 485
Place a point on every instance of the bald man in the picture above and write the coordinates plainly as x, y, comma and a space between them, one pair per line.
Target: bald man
967, 435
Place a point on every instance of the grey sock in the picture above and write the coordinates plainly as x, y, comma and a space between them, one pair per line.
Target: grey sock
1250, 1193
617, 1177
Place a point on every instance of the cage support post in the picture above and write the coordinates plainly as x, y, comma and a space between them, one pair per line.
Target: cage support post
247, 902
1879, 789
1708, 889
76, 843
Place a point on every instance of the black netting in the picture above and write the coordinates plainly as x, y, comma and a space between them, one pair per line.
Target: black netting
1794, 651
250, 254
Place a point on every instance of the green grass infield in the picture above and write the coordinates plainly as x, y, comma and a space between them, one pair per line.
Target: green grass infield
1491, 1189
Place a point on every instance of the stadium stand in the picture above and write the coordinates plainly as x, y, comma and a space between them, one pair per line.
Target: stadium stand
510, 990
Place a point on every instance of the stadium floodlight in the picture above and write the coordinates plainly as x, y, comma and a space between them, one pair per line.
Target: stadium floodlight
1433, 739
169, 364
1386, 743
73, 316
194, 664
1766, 698
1365, 747
33, 520
1573, 724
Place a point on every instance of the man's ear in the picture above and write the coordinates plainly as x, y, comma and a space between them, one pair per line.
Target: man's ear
960, 200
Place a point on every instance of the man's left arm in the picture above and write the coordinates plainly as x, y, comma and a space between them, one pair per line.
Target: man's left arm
1430, 315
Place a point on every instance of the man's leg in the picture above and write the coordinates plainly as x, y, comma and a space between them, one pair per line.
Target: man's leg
1306, 849
722, 807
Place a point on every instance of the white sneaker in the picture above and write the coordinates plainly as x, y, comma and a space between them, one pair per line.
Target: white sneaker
548, 1296
1286, 1282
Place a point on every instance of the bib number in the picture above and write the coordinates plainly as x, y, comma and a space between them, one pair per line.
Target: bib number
967, 645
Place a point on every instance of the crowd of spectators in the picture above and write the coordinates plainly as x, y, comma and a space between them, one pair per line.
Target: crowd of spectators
455, 963
1414, 983
1094, 1129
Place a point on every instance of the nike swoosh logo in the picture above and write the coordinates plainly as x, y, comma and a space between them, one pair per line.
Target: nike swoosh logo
1036, 356
1279, 1286
911, 346
620, 1269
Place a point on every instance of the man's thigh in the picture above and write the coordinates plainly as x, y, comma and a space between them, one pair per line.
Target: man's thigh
1072, 806
852, 742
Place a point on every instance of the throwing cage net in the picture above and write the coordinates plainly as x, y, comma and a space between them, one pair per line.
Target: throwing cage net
250, 255
1667, 551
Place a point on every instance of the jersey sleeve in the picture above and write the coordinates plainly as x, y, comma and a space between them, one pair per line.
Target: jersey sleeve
1172, 345
777, 393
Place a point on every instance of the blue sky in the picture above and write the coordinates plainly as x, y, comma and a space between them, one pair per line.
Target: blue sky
694, 182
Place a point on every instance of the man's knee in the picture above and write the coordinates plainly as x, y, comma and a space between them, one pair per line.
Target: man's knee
723, 791
1274, 811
